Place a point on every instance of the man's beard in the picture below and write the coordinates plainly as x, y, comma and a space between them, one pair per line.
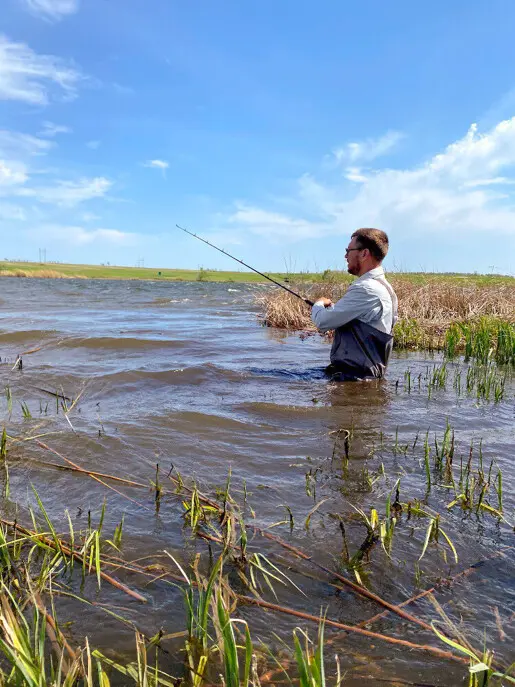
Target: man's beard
352, 270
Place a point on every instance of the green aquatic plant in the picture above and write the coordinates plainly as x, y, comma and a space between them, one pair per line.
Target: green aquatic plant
9, 398
25, 410
433, 533
482, 671
309, 658
482, 339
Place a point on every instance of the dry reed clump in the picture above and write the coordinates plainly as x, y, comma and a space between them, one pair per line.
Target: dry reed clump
425, 311
39, 274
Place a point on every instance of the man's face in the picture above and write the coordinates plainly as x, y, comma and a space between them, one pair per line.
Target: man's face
353, 256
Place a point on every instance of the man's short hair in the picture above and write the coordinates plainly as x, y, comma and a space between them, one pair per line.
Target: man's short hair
375, 240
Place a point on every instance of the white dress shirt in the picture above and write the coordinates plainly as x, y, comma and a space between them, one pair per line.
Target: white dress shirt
366, 299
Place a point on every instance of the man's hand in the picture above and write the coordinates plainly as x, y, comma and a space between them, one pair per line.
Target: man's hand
326, 302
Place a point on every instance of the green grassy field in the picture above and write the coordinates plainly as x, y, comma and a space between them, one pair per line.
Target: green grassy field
61, 270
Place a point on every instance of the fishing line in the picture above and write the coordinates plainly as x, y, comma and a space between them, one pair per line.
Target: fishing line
306, 300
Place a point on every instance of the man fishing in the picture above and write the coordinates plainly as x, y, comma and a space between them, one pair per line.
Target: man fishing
364, 318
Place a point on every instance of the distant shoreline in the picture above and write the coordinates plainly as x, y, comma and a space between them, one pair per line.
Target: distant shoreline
110, 272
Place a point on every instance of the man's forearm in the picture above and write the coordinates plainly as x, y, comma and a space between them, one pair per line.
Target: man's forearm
329, 318
355, 303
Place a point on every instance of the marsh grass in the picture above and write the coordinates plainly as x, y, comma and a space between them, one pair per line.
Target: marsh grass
482, 340
484, 381
217, 641
472, 319
39, 273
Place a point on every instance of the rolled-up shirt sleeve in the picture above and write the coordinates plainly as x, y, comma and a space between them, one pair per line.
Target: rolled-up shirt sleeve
356, 303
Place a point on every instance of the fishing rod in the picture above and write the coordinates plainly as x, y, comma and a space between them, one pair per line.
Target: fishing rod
306, 300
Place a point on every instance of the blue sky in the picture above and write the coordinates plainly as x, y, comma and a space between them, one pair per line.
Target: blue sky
272, 128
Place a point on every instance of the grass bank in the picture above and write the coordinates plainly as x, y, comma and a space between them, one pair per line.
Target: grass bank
475, 316
71, 271
64, 271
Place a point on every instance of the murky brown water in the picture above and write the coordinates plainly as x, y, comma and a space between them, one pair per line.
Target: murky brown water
184, 375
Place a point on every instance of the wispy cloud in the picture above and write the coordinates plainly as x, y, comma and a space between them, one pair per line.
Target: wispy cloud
69, 193
274, 224
16, 151
79, 236
355, 174
460, 189
11, 174
52, 10
157, 164
8, 211
496, 181
89, 217
29, 77
50, 129
94, 145
367, 150
123, 90
20, 178
225, 238
14, 144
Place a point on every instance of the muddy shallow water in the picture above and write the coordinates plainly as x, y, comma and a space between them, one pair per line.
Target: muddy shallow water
183, 375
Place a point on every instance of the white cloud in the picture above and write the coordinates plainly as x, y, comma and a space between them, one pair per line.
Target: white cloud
8, 211
79, 236
31, 78
50, 129
224, 238
16, 149
354, 174
489, 182
14, 144
52, 9
69, 193
89, 217
12, 174
157, 164
368, 150
460, 189
274, 224
19, 177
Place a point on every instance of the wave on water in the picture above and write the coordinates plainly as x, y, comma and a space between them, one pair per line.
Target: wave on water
161, 301
123, 343
191, 420
305, 374
21, 336
194, 375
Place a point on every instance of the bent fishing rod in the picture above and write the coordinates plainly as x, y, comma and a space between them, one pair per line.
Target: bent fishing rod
306, 300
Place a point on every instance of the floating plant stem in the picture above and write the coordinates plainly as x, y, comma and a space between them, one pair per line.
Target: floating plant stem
9, 397
290, 516
3, 456
158, 490
427, 467
499, 490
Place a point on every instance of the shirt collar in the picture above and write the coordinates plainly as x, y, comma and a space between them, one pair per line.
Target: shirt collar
371, 274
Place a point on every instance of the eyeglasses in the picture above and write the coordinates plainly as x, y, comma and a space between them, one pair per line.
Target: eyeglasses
348, 250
